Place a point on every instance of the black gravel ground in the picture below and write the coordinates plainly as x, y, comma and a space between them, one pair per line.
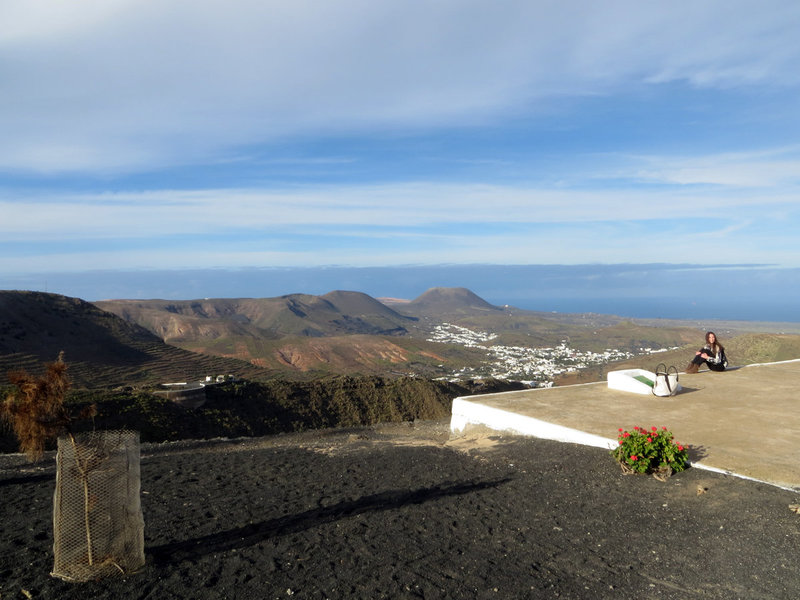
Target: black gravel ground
399, 512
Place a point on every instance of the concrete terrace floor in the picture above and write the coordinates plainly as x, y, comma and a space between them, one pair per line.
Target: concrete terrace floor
745, 421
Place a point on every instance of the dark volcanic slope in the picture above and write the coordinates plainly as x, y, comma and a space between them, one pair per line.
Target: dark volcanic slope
35, 322
449, 301
355, 515
101, 349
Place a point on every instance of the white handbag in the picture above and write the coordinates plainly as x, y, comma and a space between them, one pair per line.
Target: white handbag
666, 383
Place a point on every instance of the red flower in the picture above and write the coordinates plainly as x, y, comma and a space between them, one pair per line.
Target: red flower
626, 434
664, 428
636, 428
634, 457
655, 428
680, 447
620, 442
649, 439
620, 429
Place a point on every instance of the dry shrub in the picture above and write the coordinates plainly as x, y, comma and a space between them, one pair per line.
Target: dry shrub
35, 410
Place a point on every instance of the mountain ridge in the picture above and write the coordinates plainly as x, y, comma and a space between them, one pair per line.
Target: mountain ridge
302, 336
337, 312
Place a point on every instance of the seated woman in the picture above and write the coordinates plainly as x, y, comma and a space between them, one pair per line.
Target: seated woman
712, 354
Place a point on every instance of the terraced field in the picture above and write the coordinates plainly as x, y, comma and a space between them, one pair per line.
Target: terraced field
163, 363
102, 350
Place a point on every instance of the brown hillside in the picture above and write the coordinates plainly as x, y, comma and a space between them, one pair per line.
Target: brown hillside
336, 313
304, 334
102, 350
302, 356
34, 322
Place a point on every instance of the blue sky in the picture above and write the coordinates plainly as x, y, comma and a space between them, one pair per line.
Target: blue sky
179, 135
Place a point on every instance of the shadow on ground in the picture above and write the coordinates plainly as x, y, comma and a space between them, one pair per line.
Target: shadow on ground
254, 533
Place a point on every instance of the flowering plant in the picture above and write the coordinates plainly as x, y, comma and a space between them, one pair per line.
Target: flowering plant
650, 451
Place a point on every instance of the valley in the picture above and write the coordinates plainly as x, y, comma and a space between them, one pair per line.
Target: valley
535, 367
446, 333
343, 359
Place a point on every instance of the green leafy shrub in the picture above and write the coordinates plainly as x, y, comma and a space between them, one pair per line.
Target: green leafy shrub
651, 451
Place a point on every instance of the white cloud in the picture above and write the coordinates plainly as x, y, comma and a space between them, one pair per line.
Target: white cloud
766, 168
103, 88
575, 243
131, 85
368, 209
26, 21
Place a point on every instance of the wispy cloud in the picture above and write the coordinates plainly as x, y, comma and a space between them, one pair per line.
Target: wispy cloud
129, 86
397, 224
405, 205
765, 168
251, 133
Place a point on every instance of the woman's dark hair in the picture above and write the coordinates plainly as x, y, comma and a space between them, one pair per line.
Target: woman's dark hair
716, 341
